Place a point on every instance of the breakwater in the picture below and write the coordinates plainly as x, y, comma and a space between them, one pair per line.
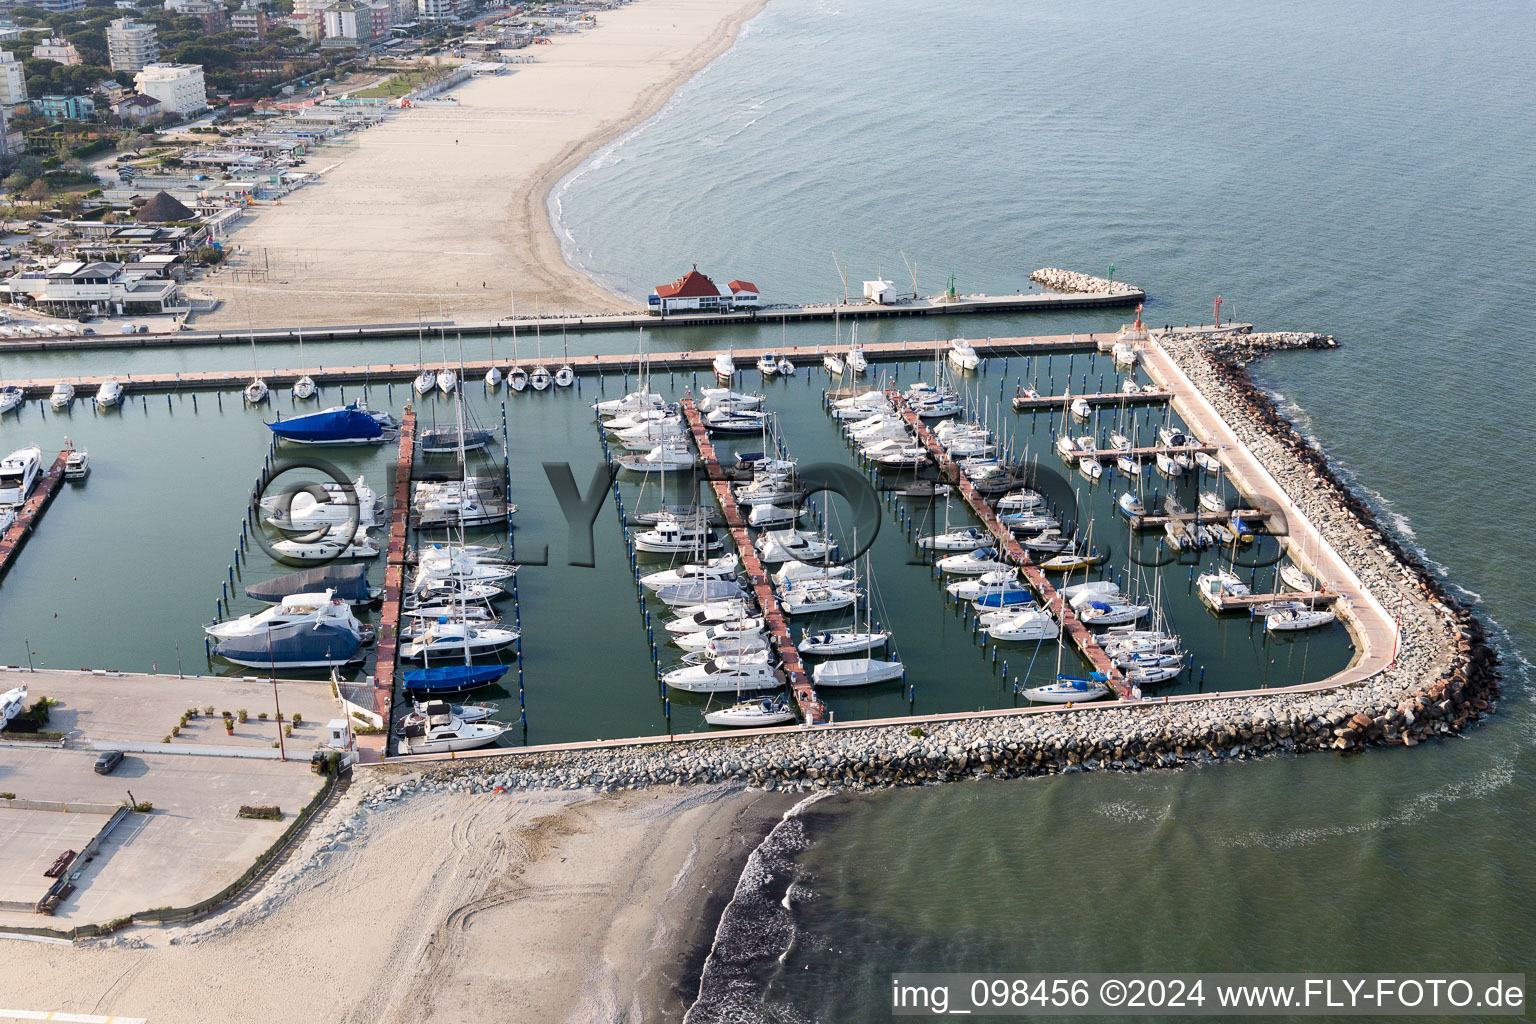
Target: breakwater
1444, 675
1239, 348
1075, 282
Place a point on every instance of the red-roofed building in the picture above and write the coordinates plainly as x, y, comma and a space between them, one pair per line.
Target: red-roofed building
695, 292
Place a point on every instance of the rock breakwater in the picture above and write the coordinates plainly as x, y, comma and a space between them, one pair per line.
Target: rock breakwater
1058, 280
1243, 348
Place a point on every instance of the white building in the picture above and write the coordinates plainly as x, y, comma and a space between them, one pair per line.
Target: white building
178, 87
437, 11
76, 287
882, 293
131, 44
13, 80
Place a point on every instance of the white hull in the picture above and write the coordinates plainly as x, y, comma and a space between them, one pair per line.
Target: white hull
857, 672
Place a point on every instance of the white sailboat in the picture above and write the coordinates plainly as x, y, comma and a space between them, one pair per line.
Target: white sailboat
752, 714
303, 388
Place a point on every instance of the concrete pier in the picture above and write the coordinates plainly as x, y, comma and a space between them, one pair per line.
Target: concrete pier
811, 708
31, 511
1086, 643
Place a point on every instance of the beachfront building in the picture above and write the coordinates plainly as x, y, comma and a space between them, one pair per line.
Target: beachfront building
178, 87
13, 80
250, 22
696, 293
357, 22
65, 108
60, 51
76, 287
131, 44
438, 11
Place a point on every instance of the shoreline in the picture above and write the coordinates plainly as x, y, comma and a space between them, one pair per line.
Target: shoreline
443, 210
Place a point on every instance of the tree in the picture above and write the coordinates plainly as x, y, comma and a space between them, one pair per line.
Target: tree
72, 205
37, 191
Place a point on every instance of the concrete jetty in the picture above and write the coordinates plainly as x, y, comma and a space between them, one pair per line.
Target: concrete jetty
31, 511
811, 708
1050, 598
805, 356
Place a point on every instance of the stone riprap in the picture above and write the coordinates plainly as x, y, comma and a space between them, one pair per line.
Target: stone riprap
1445, 675
1243, 348
1058, 280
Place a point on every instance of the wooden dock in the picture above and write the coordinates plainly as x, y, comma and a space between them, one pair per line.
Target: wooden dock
806, 357
394, 576
1023, 403
960, 305
1083, 639
811, 708
31, 511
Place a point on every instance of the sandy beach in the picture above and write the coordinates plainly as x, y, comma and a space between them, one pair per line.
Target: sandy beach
536, 906
441, 209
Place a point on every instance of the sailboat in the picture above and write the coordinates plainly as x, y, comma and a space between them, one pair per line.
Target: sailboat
750, 714
447, 379
565, 376
856, 361
864, 671
303, 388
540, 378
493, 375
426, 380
10, 398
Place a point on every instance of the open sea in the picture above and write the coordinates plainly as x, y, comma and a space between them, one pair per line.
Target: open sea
1360, 169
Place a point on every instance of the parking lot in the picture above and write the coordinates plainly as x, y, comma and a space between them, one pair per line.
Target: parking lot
186, 849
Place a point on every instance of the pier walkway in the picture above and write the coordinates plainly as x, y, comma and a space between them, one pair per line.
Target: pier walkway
811, 708
1050, 598
807, 357
31, 511
1022, 302
394, 583
1023, 403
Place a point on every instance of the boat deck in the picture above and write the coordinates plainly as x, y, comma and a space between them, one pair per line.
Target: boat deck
811, 707
1240, 603
1050, 598
394, 578
31, 511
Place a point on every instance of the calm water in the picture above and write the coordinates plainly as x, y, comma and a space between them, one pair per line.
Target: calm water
1360, 169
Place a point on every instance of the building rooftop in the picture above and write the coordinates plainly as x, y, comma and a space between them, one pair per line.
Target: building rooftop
691, 285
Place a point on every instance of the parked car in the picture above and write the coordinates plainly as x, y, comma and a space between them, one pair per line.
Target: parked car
130, 329
107, 761
89, 330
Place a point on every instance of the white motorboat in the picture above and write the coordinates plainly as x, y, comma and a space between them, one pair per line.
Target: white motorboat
565, 376
7, 518
812, 597
256, 391
987, 583
64, 395
1116, 612
77, 463
447, 380
722, 568
968, 539
672, 535
1119, 442
735, 421
110, 393
794, 570
1049, 541
1081, 409
856, 360
493, 378
425, 382
767, 364
19, 473
1214, 586
442, 733
1066, 690
429, 590
834, 363
1029, 522
12, 703
420, 710
517, 379
973, 563
857, 672
635, 401
962, 355
732, 645
456, 611
339, 542
669, 455
1131, 505
296, 608
304, 388
826, 643
737, 628
648, 435
1125, 354
1149, 659
698, 618
786, 367
1294, 616
11, 397
906, 456
541, 378
458, 639
792, 545
725, 674
305, 510
1297, 578
725, 368
1079, 594
1031, 624
1066, 447
752, 714
640, 418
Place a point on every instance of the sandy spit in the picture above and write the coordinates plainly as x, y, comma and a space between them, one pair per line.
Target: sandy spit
447, 906
441, 211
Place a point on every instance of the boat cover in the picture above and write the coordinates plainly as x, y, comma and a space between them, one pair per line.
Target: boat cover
349, 581
348, 423
298, 642
452, 678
